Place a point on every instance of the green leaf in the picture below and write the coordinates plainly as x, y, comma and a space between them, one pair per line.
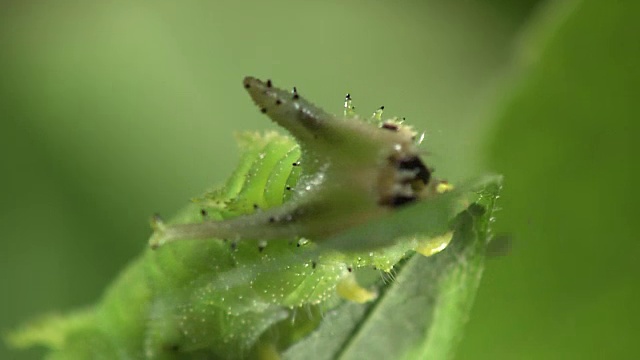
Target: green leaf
421, 314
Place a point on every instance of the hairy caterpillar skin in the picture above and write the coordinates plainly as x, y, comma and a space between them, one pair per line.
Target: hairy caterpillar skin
182, 299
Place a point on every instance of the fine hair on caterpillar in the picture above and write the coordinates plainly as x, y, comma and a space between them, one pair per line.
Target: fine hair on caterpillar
352, 171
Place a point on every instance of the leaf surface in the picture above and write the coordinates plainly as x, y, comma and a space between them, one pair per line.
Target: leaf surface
419, 315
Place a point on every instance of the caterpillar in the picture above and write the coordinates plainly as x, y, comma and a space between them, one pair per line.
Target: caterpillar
249, 268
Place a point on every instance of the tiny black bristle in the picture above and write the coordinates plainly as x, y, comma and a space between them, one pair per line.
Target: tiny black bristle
269, 83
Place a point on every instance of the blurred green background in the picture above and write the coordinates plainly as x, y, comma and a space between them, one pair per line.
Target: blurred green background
113, 110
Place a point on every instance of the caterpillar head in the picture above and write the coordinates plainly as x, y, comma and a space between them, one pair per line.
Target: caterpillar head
353, 170
378, 161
